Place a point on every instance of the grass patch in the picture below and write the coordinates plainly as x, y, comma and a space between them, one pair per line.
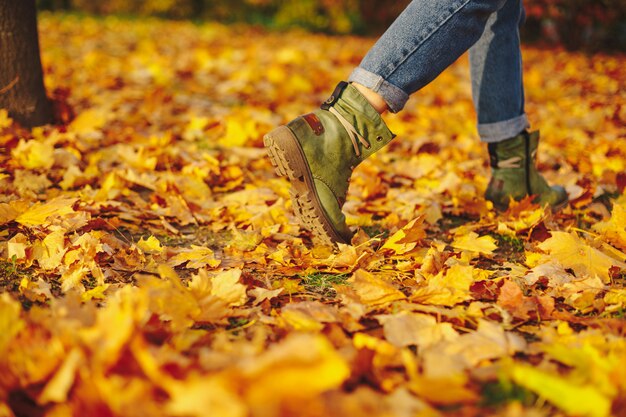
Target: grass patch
498, 393
322, 283
510, 243
11, 275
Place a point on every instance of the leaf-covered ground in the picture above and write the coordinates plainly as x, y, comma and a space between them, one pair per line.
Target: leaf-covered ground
151, 265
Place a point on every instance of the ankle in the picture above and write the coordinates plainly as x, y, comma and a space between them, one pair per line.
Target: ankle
375, 99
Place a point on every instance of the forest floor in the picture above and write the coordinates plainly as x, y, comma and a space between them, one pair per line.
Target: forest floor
151, 264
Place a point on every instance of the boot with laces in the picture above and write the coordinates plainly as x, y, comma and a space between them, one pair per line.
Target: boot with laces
514, 174
318, 151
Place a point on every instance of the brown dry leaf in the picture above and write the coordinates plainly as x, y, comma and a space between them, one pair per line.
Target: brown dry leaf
490, 341
512, 299
262, 294
405, 329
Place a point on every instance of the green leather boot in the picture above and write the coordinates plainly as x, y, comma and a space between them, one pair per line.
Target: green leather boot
318, 151
514, 175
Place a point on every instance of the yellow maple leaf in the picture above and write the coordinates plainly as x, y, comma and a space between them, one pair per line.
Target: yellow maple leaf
574, 399
10, 321
471, 242
150, 245
38, 213
58, 387
196, 257
35, 291
89, 121
72, 278
16, 246
226, 286
447, 288
196, 395
614, 229
405, 239
373, 290
572, 252
51, 250
34, 154
5, 120
301, 321
96, 292
239, 130
9, 211
443, 391
301, 366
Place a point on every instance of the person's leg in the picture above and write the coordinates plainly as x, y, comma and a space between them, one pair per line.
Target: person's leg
496, 69
318, 151
423, 41
498, 93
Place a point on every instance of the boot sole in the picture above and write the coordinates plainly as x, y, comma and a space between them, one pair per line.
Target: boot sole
287, 157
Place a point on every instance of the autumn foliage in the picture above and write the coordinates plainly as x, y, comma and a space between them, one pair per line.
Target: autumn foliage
577, 24
151, 265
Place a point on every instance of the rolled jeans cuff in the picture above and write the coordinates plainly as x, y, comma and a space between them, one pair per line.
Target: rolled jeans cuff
394, 96
506, 129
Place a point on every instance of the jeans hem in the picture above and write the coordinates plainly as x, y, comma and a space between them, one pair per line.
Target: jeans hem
394, 96
506, 129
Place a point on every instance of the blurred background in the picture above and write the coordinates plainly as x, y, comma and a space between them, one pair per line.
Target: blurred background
593, 25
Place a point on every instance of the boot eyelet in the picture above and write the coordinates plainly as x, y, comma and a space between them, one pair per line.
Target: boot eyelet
379, 138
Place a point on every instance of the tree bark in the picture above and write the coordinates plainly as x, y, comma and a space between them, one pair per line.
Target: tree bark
22, 91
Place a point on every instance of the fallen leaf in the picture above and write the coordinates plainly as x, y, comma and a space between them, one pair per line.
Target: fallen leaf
471, 242
405, 239
372, 290
575, 399
196, 257
40, 212
572, 252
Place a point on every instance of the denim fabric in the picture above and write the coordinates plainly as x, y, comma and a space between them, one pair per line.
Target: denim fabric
430, 35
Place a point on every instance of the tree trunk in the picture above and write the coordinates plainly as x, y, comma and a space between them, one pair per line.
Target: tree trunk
22, 90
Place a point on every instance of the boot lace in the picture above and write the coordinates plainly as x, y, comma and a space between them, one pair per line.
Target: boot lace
354, 136
513, 162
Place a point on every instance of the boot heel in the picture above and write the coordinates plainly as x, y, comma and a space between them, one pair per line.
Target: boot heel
285, 153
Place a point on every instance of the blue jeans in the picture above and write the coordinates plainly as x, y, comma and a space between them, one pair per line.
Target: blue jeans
430, 35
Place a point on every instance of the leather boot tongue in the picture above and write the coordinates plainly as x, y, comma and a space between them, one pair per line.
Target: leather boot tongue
355, 108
